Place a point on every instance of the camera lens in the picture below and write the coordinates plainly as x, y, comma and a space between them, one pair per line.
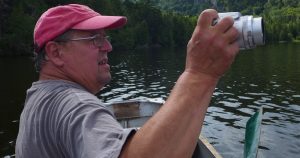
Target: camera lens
251, 32
258, 31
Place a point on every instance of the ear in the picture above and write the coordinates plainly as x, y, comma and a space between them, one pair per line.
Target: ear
53, 53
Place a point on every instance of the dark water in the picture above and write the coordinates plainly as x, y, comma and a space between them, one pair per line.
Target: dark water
268, 76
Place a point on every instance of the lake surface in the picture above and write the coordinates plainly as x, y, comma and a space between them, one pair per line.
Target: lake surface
268, 76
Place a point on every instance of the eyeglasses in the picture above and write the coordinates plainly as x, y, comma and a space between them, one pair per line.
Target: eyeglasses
98, 40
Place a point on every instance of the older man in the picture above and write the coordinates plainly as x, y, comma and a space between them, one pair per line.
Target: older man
63, 118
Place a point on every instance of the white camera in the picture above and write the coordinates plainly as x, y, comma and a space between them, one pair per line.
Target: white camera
251, 30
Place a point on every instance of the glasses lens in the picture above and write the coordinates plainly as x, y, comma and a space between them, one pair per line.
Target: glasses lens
108, 38
99, 40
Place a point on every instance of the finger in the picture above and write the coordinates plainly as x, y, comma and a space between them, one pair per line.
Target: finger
231, 35
204, 22
224, 24
206, 18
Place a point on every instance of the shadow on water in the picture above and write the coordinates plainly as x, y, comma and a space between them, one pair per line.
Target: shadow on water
267, 76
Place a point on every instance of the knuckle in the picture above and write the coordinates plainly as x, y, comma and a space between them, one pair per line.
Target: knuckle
235, 31
227, 22
227, 57
229, 19
204, 37
190, 43
236, 47
209, 12
205, 12
218, 42
231, 52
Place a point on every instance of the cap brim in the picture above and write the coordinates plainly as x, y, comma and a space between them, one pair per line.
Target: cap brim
101, 22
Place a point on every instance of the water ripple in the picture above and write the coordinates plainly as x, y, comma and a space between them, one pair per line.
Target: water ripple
257, 79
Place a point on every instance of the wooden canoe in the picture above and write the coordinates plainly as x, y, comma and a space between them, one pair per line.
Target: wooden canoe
135, 113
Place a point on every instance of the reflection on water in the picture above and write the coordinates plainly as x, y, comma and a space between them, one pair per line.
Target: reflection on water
267, 76
142, 74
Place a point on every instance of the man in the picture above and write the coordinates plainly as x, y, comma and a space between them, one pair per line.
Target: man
63, 118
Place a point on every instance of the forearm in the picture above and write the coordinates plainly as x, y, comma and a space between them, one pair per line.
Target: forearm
174, 130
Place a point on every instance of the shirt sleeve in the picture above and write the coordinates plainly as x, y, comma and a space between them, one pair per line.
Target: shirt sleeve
93, 132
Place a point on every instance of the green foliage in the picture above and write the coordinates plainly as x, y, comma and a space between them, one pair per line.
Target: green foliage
185, 7
17, 32
142, 38
147, 25
282, 22
162, 23
281, 16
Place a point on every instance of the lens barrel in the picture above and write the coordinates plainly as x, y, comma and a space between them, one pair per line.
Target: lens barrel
251, 30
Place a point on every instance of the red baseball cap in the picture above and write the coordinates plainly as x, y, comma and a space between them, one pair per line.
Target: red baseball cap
57, 20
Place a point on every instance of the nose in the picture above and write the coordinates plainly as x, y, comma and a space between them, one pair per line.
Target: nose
107, 47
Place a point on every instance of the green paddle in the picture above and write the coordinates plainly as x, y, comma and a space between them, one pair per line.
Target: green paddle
252, 135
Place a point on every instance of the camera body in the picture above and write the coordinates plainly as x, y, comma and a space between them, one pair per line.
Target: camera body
251, 30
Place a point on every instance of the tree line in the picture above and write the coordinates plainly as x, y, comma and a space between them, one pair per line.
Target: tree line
281, 17
149, 25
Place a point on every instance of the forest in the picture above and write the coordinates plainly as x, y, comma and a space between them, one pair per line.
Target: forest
151, 23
